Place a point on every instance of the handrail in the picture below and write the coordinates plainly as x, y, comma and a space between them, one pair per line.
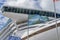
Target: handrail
24, 26
41, 31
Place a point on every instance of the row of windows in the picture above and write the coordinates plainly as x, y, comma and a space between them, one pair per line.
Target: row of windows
29, 11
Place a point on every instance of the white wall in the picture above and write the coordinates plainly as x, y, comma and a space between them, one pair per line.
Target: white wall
16, 17
48, 35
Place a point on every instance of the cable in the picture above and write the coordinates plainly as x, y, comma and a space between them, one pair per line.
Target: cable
56, 20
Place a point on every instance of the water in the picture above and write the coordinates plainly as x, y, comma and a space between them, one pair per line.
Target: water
14, 38
2, 2
4, 21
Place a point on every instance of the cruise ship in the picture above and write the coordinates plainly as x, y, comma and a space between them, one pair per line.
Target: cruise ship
47, 28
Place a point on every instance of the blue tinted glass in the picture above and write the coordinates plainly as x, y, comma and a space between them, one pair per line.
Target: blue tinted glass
36, 19
33, 19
